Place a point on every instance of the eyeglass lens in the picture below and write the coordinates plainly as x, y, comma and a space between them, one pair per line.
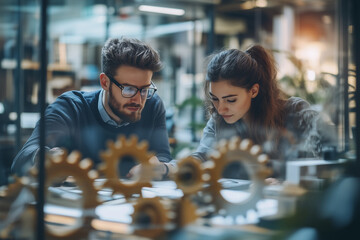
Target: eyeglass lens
130, 91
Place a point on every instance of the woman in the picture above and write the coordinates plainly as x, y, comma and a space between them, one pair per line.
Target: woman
243, 99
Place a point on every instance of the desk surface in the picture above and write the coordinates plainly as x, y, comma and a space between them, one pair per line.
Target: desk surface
115, 208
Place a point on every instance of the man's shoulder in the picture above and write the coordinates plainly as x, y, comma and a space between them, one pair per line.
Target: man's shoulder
79, 96
155, 102
76, 94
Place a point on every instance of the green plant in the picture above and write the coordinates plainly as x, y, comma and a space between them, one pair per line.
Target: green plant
297, 84
194, 103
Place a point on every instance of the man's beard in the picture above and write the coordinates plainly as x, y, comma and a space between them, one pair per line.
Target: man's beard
114, 106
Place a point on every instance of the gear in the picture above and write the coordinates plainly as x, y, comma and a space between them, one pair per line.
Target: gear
115, 152
149, 217
243, 151
61, 166
188, 176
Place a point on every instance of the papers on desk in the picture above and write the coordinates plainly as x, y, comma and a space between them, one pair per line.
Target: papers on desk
234, 184
117, 209
265, 207
115, 213
165, 189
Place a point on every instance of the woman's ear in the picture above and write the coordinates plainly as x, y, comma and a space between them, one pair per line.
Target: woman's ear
104, 81
254, 91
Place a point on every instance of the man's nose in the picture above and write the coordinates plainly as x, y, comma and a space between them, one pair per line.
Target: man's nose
137, 98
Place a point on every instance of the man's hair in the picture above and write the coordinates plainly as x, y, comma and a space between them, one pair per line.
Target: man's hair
131, 52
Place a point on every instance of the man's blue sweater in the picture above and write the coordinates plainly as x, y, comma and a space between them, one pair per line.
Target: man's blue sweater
73, 121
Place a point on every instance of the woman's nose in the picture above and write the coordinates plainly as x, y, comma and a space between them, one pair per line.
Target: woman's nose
222, 108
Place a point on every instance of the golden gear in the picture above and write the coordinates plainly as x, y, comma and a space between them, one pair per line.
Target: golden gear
149, 217
112, 157
61, 166
188, 176
243, 151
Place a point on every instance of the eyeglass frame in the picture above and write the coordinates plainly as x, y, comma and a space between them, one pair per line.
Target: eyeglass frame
121, 86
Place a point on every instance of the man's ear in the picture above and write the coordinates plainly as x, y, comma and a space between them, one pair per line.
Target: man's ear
104, 81
254, 91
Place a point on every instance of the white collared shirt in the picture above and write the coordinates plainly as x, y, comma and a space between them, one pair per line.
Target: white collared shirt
105, 116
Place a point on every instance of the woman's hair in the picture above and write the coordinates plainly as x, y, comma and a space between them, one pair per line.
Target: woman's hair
131, 52
244, 69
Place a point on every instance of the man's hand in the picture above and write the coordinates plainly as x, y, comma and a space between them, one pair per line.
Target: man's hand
271, 181
159, 169
56, 151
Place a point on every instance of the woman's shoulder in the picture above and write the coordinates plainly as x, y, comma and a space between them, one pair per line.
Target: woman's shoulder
300, 111
296, 104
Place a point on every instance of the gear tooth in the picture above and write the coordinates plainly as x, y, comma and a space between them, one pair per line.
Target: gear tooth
86, 164
209, 164
101, 167
255, 150
63, 155
222, 143
143, 146
222, 149
206, 177
215, 156
74, 157
121, 138
98, 187
93, 174
121, 141
234, 143
77, 156
25, 181
53, 159
132, 141
48, 163
246, 144
33, 171
110, 144
263, 158
57, 159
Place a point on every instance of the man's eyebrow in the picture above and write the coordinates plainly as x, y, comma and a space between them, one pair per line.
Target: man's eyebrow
231, 95
126, 84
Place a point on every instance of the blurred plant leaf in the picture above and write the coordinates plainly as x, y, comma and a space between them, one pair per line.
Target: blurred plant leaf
192, 101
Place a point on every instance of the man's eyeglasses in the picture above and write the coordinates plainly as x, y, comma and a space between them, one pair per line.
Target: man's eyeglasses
128, 91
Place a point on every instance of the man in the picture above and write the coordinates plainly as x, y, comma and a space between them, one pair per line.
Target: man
126, 105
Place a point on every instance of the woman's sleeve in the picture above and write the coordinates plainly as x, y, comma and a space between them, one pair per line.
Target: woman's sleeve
207, 141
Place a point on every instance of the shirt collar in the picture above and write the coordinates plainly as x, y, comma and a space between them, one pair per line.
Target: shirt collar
104, 115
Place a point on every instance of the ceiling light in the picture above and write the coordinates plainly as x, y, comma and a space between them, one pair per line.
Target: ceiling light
261, 3
163, 10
